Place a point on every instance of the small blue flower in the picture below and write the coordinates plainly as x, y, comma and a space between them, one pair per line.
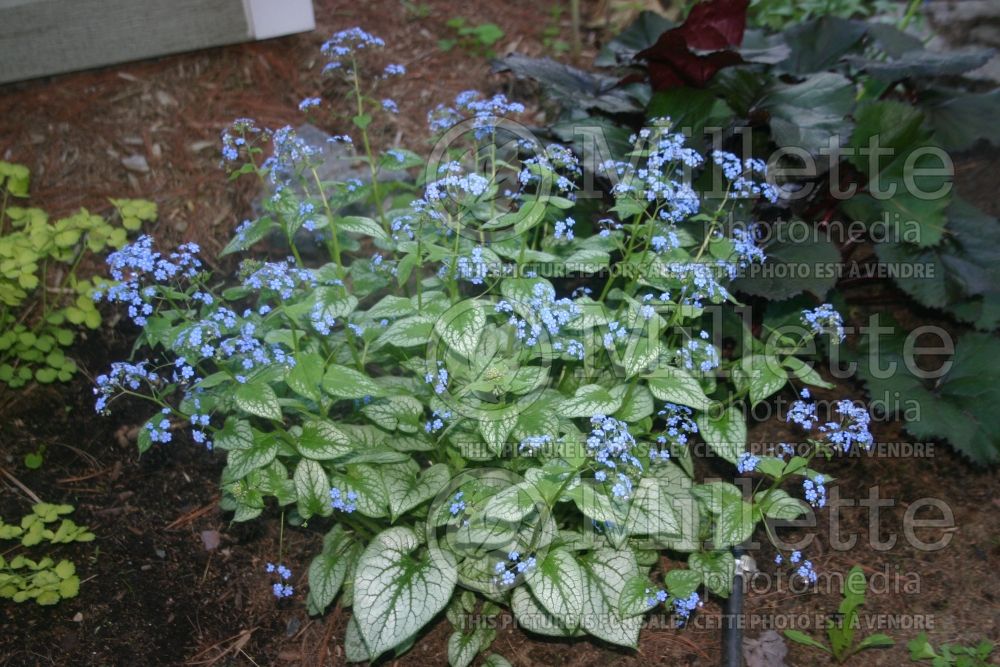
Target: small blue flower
309, 102
814, 491
279, 589
457, 505
393, 69
747, 463
564, 229
437, 421
824, 319
345, 502
684, 607
807, 572
802, 413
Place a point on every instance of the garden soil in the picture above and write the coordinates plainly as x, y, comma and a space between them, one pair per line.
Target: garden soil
170, 581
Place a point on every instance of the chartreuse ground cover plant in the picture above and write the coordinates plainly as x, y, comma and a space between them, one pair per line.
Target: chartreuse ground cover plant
43, 299
44, 580
485, 394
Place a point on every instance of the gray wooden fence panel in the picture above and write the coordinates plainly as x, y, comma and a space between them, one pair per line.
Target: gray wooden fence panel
42, 37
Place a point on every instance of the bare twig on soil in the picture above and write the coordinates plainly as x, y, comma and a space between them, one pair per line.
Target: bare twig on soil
20, 485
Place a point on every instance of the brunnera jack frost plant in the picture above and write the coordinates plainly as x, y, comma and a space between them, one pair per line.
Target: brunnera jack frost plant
470, 433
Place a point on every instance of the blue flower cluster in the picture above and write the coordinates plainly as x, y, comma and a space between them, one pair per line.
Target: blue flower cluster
698, 353
484, 112
241, 133
741, 176
322, 319
137, 269
665, 241
611, 446
280, 277
437, 421
309, 103
553, 165
455, 179
401, 226
122, 376
802, 413
439, 379
700, 281
746, 248
804, 570
616, 333
677, 425
683, 607
547, 314
472, 267
807, 572
814, 491
533, 444
393, 69
654, 598
249, 352
853, 428
824, 319
508, 570
457, 504
747, 463
280, 590
342, 48
343, 501
660, 178
198, 423
564, 229
160, 431
291, 154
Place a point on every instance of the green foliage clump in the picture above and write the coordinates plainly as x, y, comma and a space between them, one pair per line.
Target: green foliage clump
490, 394
43, 300
478, 38
951, 655
781, 14
868, 114
840, 630
45, 581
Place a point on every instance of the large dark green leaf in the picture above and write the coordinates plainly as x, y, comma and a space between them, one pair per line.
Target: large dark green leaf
793, 267
922, 64
893, 41
641, 34
573, 87
959, 407
809, 113
760, 46
961, 119
690, 109
900, 188
965, 265
818, 44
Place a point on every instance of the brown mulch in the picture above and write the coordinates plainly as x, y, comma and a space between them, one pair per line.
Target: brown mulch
153, 593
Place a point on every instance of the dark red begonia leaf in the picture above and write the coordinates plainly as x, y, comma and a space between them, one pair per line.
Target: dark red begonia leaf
692, 53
